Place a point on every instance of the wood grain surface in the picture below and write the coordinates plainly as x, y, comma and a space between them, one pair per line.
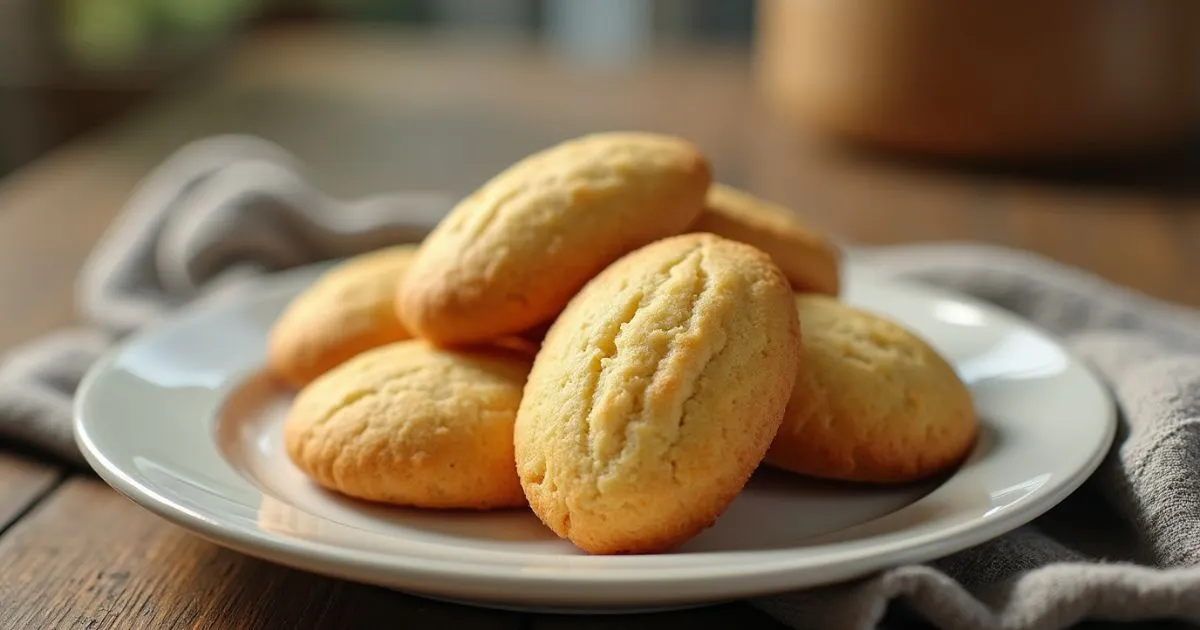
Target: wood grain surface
375, 111
89, 558
22, 482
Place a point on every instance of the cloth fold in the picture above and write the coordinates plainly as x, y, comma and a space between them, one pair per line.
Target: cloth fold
221, 212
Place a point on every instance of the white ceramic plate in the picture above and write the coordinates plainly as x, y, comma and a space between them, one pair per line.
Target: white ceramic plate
182, 420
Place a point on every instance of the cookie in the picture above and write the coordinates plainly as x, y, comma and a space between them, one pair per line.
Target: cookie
810, 260
410, 424
656, 394
349, 309
872, 402
509, 256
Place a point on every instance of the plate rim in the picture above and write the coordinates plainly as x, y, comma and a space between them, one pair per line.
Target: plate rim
352, 564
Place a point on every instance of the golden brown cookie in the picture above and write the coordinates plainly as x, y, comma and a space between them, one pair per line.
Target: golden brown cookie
510, 255
872, 402
809, 259
656, 394
411, 424
349, 309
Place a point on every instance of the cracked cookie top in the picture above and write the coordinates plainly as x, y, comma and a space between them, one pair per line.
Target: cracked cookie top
809, 259
873, 401
510, 255
656, 394
411, 424
349, 309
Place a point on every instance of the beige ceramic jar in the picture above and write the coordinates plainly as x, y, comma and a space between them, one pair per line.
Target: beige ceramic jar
1019, 79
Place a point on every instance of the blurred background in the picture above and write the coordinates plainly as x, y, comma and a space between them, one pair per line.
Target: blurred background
1065, 128
1017, 81
69, 65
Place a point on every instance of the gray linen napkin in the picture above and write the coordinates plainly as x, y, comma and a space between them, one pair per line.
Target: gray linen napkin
223, 211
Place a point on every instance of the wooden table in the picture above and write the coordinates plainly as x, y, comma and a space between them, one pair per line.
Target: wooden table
374, 111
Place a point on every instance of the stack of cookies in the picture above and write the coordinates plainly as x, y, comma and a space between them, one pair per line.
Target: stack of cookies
605, 335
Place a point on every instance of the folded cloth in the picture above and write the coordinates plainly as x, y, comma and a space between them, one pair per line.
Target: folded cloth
223, 211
